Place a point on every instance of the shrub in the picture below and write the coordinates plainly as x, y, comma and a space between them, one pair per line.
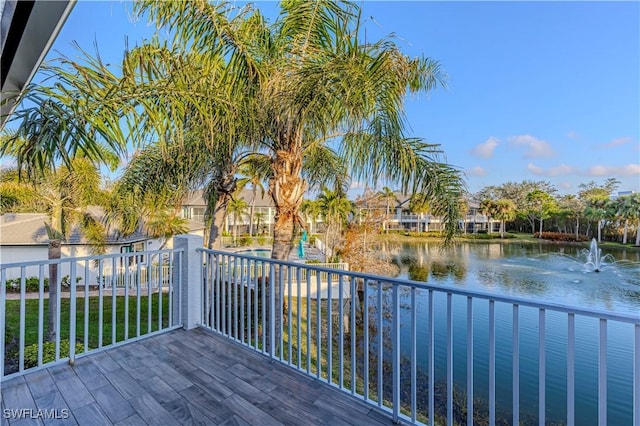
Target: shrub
32, 284
312, 261
48, 352
312, 240
262, 240
560, 236
245, 240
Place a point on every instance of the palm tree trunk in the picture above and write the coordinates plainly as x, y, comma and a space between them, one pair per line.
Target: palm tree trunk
502, 228
541, 226
217, 223
626, 230
599, 230
577, 228
287, 189
54, 253
251, 208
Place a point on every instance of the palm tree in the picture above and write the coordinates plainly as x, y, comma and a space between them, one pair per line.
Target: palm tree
238, 208
311, 209
388, 195
58, 143
260, 218
335, 209
308, 81
254, 173
488, 208
504, 210
541, 205
627, 208
573, 208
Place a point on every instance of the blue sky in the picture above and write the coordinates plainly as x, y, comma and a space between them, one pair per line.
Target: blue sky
537, 90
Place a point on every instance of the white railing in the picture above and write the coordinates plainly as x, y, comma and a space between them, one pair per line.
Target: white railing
430, 354
135, 275
88, 314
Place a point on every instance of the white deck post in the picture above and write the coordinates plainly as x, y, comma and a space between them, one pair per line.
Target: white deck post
189, 276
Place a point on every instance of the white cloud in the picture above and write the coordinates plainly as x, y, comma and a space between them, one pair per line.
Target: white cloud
485, 150
535, 169
560, 170
536, 147
357, 185
627, 170
477, 171
619, 141
565, 185
573, 135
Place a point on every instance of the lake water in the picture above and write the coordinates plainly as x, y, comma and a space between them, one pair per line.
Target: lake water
539, 272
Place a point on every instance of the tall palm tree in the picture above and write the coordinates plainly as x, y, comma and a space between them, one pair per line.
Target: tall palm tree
311, 209
58, 144
309, 80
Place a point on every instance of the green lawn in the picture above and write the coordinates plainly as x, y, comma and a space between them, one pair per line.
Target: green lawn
147, 310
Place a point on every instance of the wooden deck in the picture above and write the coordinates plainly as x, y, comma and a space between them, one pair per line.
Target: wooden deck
182, 378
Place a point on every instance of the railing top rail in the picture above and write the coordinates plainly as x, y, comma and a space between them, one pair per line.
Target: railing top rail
83, 258
478, 294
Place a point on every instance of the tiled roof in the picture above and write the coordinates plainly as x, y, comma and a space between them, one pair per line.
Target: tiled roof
29, 229
195, 198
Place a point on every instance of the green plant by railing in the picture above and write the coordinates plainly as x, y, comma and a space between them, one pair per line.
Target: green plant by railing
48, 352
32, 284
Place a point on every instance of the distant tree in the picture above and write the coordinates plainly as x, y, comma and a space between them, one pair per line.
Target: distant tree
596, 198
311, 210
488, 208
254, 172
504, 210
540, 206
627, 210
336, 210
573, 208
237, 208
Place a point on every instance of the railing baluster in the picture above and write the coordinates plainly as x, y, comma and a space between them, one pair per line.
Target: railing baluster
309, 321
636, 376
150, 292
395, 349
431, 360
380, 346
113, 300
218, 305
414, 356
160, 290
542, 369
127, 279
571, 392
366, 349
207, 289
243, 279
40, 314
272, 313
329, 331
298, 317
170, 289
233, 291
318, 325
492, 362
263, 292
289, 320
3, 329
602, 373
72, 314
58, 309
23, 290
226, 319
449, 360
352, 333
340, 333
516, 366
279, 311
469, 361
101, 284
249, 296
86, 306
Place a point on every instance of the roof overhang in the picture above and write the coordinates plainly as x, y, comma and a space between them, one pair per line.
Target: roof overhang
28, 29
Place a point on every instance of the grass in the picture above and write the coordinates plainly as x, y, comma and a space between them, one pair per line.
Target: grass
88, 329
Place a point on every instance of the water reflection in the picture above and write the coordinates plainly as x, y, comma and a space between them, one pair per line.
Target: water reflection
544, 272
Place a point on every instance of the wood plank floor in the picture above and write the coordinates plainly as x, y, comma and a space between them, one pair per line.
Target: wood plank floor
182, 378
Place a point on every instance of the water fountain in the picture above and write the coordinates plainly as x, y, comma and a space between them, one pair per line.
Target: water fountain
594, 259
